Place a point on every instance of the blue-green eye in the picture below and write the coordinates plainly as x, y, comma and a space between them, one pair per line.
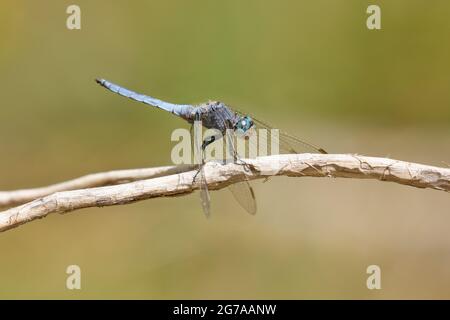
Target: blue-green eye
243, 125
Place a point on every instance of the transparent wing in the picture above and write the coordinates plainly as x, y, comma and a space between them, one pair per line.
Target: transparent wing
242, 191
287, 142
244, 195
204, 193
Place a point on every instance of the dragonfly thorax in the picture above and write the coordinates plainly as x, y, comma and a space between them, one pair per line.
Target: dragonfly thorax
215, 115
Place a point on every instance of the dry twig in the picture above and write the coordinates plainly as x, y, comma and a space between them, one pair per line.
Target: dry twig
220, 176
16, 197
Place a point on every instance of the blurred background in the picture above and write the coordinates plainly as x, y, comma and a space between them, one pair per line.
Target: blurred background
311, 67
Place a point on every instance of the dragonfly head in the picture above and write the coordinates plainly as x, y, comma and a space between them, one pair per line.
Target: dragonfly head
244, 127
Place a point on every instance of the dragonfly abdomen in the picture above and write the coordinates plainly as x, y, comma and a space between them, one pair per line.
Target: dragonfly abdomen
181, 110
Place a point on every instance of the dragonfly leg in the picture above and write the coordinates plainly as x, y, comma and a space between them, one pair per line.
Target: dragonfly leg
200, 168
196, 174
236, 158
239, 161
206, 142
247, 167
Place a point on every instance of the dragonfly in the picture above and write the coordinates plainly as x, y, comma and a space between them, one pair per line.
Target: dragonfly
226, 121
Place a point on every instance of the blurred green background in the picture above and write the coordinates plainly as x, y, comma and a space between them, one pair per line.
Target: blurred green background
311, 67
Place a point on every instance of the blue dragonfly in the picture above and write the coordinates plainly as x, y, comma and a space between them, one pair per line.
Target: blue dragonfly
216, 115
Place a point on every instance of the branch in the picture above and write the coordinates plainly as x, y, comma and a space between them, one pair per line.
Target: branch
16, 197
220, 176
